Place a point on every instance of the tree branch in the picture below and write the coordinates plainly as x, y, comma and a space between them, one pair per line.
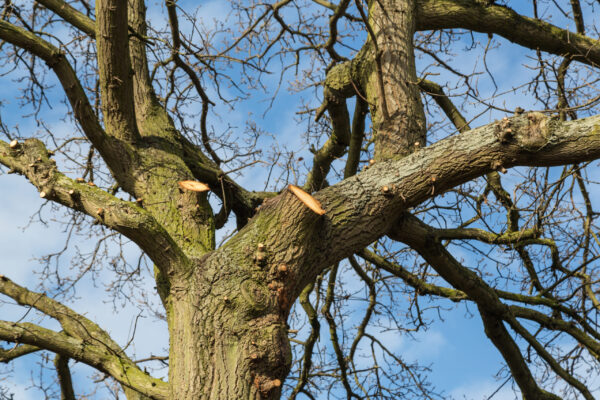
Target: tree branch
61, 364
114, 69
116, 155
359, 210
532, 33
422, 238
31, 160
337, 143
71, 15
17, 351
120, 368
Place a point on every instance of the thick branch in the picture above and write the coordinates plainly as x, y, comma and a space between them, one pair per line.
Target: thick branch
73, 324
398, 118
359, 210
17, 351
114, 69
114, 153
531, 33
31, 159
121, 369
71, 15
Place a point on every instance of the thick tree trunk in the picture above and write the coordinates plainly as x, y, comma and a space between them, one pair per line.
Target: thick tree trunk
228, 334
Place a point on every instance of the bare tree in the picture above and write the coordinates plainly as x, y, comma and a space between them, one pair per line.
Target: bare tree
386, 93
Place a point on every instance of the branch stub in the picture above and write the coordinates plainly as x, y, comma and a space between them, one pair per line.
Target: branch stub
307, 199
194, 186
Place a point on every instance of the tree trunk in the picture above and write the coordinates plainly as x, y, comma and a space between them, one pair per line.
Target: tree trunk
391, 80
228, 334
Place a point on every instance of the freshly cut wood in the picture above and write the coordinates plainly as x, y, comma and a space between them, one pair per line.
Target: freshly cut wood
194, 186
307, 199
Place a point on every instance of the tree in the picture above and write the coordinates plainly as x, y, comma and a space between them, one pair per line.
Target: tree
135, 87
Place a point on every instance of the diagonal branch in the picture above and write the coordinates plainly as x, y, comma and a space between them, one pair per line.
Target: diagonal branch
359, 210
72, 323
31, 160
532, 33
116, 154
71, 15
424, 240
120, 368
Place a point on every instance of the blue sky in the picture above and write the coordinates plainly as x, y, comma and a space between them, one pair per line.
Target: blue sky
463, 363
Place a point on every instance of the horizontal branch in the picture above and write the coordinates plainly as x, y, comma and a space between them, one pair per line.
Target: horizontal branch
413, 280
121, 369
73, 324
559, 324
31, 159
510, 237
17, 351
531, 33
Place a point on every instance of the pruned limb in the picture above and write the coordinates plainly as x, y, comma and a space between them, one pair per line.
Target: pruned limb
358, 202
30, 159
241, 201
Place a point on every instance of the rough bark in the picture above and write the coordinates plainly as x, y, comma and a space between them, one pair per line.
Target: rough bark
227, 308
390, 80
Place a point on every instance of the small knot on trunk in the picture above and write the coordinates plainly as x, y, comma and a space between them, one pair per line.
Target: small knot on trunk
265, 384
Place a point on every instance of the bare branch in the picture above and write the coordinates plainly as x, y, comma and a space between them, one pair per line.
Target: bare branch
71, 15
64, 377
532, 33
17, 351
121, 369
31, 159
